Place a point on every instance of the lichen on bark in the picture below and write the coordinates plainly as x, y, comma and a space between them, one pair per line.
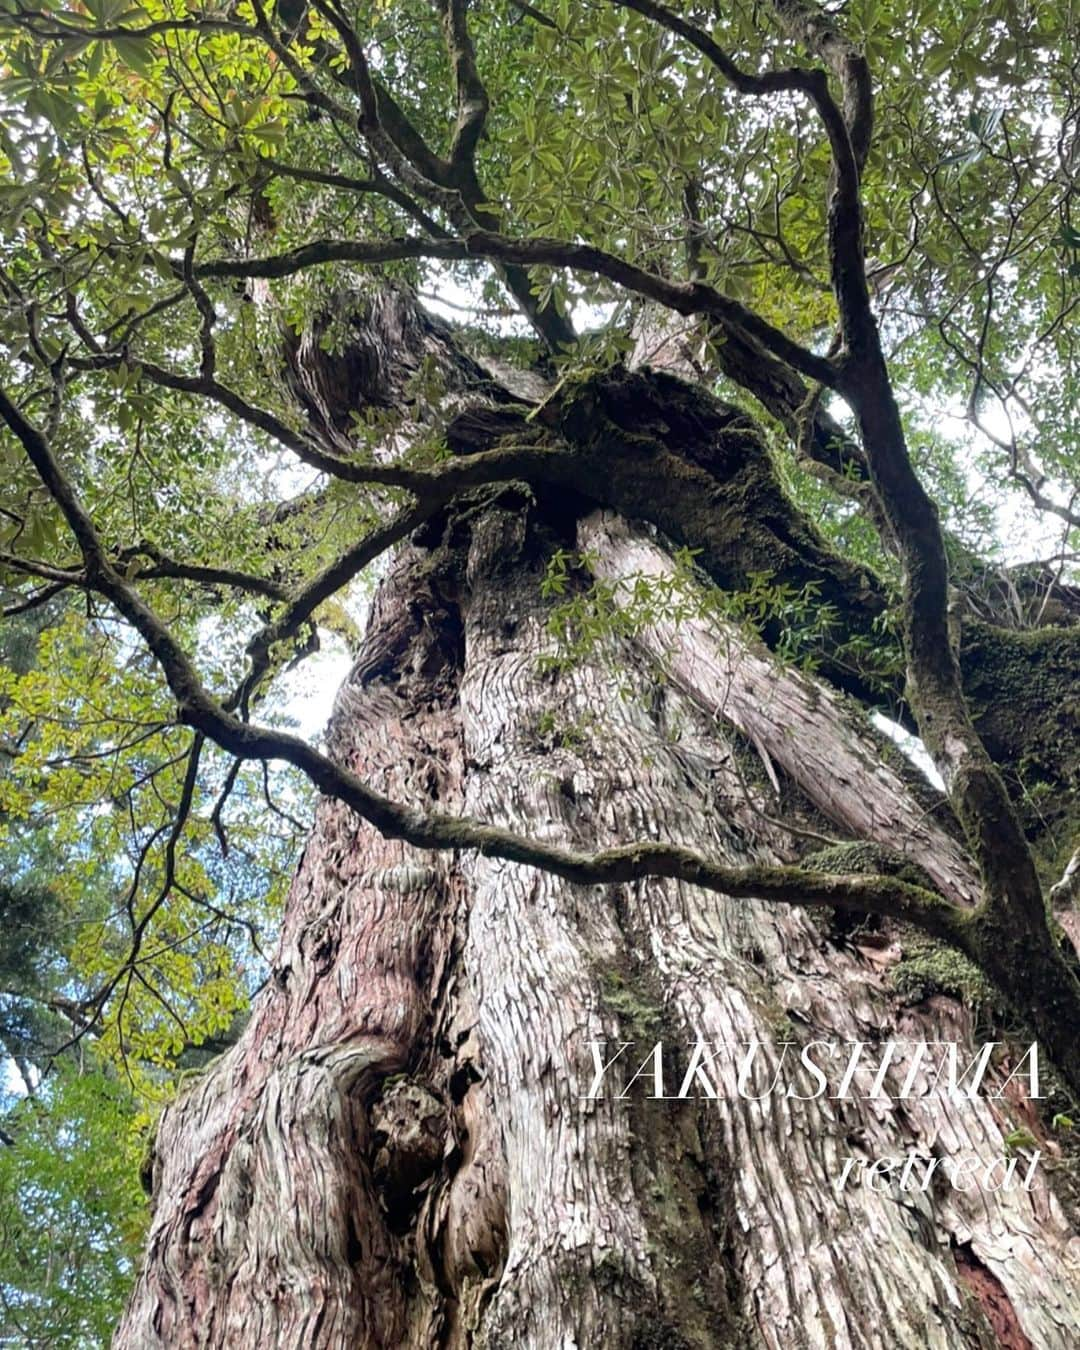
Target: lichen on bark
526, 1216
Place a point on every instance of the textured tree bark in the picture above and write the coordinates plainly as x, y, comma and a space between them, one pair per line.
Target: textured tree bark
398, 1151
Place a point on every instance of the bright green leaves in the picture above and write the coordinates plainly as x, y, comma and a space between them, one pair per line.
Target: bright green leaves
54, 67
157, 928
72, 1215
589, 611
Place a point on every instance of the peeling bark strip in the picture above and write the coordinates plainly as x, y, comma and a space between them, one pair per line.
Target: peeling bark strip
396, 1152
993, 1300
803, 726
293, 1204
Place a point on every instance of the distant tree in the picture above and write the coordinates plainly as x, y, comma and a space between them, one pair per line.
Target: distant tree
72, 1218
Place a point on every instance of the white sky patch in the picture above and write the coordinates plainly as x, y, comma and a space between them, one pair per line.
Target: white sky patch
449, 299
11, 1083
911, 745
306, 693
1023, 533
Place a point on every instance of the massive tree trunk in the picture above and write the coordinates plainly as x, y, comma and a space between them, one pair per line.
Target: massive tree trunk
400, 1152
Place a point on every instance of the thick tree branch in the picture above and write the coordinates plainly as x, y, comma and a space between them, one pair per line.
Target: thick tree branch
163, 567
62, 576
384, 124
818, 33
471, 96
978, 793
34, 601
802, 724
198, 709
48, 27
683, 297
935, 688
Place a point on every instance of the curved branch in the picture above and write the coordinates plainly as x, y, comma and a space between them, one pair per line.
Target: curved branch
634, 862
327, 583
383, 122
683, 297
47, 28
34, 601
377, 185
848, 134
164, 567
817, 32
472, 97
60, 575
